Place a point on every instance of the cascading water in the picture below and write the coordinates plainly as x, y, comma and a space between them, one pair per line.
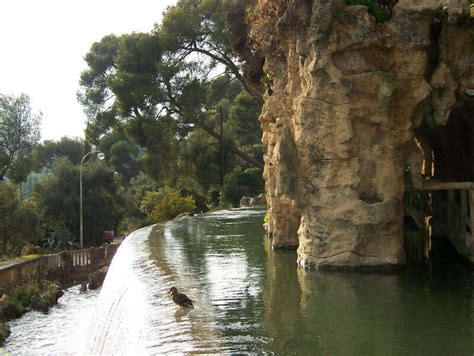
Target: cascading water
249, 298
136, 314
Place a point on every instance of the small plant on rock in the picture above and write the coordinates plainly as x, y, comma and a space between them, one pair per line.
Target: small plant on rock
60, 238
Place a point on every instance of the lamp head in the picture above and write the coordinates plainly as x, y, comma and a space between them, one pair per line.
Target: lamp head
101, 156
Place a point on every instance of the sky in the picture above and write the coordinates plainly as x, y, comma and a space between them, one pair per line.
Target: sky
42, 49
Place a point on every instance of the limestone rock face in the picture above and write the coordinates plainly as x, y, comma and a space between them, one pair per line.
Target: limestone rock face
347, 94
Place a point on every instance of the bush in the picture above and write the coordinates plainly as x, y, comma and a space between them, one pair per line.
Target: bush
240, 183
4, 332
375, 8
19, 221
30, 249
132, 223
60, 238
230, 191
251, 181
24, 293
166, 204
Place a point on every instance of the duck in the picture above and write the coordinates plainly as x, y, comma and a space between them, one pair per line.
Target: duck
181, 299
83, 288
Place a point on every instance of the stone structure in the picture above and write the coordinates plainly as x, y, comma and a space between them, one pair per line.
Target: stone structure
348, 96
255, 201
65, 267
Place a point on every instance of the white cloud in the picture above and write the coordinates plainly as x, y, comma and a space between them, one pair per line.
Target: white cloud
42, 47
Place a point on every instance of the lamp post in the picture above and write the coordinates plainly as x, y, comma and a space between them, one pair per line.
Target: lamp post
100, 156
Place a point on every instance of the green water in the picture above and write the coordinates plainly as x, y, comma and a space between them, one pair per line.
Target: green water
260, 301
250, 299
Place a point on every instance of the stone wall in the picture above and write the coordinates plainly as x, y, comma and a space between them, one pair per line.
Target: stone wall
347, 95
65, 267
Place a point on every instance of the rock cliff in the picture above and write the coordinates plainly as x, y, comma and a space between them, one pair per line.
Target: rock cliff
347, 96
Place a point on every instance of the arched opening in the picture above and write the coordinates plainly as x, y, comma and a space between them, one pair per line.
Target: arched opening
448, 156
442, 251
452, 144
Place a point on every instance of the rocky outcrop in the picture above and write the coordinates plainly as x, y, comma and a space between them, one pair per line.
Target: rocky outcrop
96, 279
255, 201
339, 124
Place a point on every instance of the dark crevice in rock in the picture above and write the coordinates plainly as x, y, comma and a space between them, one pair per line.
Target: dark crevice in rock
433, 50
286, 247
370, 198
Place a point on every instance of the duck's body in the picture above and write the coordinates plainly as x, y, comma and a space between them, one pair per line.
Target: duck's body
83, 288
181, 299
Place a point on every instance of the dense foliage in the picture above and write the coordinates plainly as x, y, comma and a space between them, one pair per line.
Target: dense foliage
179, 94
19, 221
166, 204
174, 110
58, 199
19, 132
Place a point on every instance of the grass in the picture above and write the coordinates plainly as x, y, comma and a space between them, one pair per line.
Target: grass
19, 259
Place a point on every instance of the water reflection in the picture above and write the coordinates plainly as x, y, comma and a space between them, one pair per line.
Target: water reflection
249, 298
331, 313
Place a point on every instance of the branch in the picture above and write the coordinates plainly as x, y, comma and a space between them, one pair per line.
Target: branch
231, 146
233, 68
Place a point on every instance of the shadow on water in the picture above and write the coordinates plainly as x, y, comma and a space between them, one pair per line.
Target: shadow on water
341, 313
249, 298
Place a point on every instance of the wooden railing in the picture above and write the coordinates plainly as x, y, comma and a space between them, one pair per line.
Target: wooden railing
453, 211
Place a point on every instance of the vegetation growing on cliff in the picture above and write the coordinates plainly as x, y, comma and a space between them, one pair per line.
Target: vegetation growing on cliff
380, 9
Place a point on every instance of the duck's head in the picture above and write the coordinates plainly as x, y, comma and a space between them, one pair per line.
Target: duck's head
173, 290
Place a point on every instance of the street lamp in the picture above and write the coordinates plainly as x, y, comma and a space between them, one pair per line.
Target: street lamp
100, 156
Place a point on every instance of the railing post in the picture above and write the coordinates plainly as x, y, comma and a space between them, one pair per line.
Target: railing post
464, 204
450, 203
471, 210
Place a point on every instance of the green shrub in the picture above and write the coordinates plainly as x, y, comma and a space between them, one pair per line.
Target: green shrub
24, 293
132, 223
166, 204
240, 183
60, 238
30, 249
230, 191
4, 332
373, 7
251, 181
148, 203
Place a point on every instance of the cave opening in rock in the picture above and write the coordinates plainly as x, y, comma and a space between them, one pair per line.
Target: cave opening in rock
448, 154
452, 145
442, 251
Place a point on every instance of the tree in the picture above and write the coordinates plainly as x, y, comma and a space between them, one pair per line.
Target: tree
134, 85
58, 198
196, 27
48, 151
19, 133
122, 154
243, 117
19, 221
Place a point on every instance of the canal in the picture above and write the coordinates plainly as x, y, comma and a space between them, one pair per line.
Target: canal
249, 298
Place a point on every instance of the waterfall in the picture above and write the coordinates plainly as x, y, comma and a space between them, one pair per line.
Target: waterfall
134, 314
